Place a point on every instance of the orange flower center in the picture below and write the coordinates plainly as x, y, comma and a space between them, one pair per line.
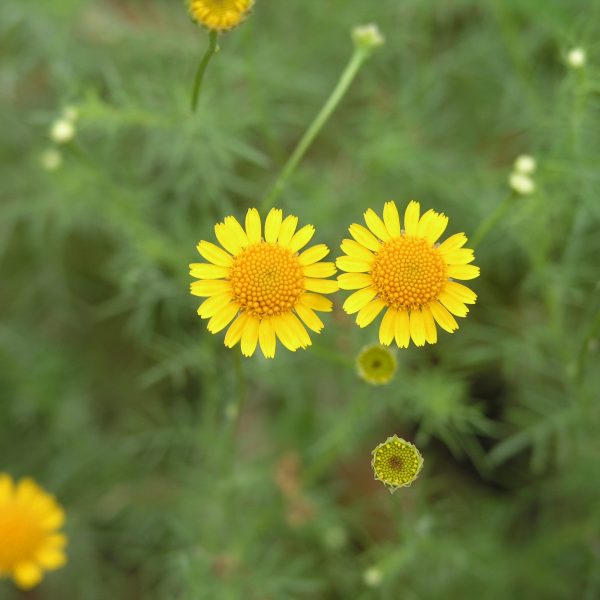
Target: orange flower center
266, 279
21, 535
408, 272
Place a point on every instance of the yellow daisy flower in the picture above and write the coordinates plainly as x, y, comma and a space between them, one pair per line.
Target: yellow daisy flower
396, 463
220, 15
376, 364
407, 272
29, 539
263, 283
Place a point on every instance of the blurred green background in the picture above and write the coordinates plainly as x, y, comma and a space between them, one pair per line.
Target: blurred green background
115, 397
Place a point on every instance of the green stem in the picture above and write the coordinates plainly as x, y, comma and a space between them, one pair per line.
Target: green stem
492, 220
348, 75
212, 49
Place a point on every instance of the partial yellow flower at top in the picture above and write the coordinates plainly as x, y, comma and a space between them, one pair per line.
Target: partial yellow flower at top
262, 283
405, 271
396, 463
376, 364
220, 15
29, 539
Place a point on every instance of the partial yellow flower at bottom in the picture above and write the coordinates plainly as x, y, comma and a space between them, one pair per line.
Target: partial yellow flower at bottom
376, 364
396, 463
220, 15
262, 283
29, 540
405, 271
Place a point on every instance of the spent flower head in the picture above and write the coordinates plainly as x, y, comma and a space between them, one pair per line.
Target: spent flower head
262, 284
367, 37
220, 15
576, 58
376, 364
396, 463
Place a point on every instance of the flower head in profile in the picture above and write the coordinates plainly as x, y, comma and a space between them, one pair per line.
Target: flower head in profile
405, 271
30, 542
220, 15
262, 284
396, 463
376, 364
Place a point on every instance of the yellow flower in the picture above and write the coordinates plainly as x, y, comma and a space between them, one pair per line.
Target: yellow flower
376, 364
263, 283
29, 539
220, 15
396, 463
405, 271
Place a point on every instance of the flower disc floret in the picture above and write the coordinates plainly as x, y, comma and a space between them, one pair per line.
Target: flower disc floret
396, 463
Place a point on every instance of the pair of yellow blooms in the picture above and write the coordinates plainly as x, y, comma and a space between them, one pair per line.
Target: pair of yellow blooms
265, 287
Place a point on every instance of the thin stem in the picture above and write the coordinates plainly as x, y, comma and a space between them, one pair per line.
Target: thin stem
212, 49
348, 75
487, 225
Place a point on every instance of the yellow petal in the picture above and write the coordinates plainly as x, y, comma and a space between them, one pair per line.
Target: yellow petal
316, 302
309, 317
285, 333
462, 256
212, 305
424, 222
250, 336
6, 487
359, 299
227, 239
354, 281
266, 338
444, 319
301, 238
430, 328
237, 231
388, 326
364, 237
322, 286
458, 240
214, 254
417, 327
461, 292
223, 317
273, 224
455, 306
391, 218
54, 518
376, 225
402, 330
288, 228
51, 559
253, 226
299, 330
369, 312
463, 271
208, 271
352, 265
210, 287
411, 218
357, 251
436, 227
234, 333
313, 255
322, 269
27, 575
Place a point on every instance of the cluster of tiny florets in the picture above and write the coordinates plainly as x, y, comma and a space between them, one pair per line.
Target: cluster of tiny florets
396, 462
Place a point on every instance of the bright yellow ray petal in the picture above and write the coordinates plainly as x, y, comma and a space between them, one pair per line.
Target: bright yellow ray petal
27, 575
411, 218
313, 254
463, 272
430, 328
402, 330
391, 218
322, 286
359, 299
288, 228
322, 269
227, 239
458, 240
357, 251
352, 265
364, 237
436, 228
462, 256
455, 306
253, 226
461, 292
214, 254
426, 219
354, 281
51, 559
213, 304
250, 336
376, 225
222, 318
309, 317
236, 230
234, 333
316, 302
6, 487
417, 327
266, 338
388, 326
369, 312
273, 224
301, 238
208, 271
299, 330
210, 287
285, 333
444, 318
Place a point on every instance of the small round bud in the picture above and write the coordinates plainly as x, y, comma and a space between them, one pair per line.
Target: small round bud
367, 37
576, 58
525, 164
373, 577
62, 131
522, 184
51, 159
